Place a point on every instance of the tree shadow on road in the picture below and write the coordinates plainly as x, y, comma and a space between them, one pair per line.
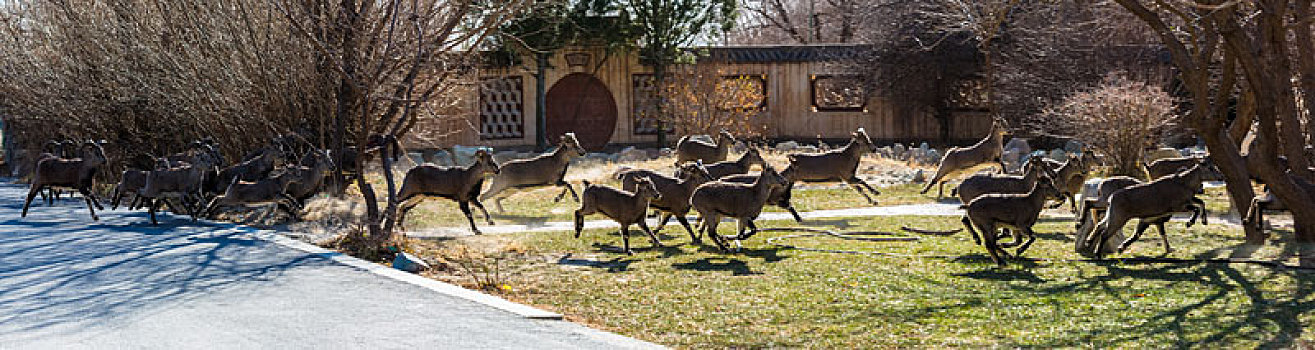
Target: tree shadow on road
68, 273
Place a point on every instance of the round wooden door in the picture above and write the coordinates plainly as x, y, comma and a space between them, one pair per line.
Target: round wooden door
580, 103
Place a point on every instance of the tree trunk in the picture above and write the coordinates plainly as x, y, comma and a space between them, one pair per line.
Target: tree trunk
390, 212
346, 91
1306, 67
1275, 56
541, 104
1262, 84
1246, 115
1226, 156
1268, 86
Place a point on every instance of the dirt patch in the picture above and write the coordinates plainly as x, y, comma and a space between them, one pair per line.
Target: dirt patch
488, 263
325, 218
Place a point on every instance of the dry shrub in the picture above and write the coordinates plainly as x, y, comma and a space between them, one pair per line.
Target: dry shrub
150, 76
484, 263
326, 218
153, 75
705, 98
1120, 119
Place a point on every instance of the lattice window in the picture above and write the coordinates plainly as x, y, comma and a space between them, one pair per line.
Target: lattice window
643, 103
839, 93
501, 108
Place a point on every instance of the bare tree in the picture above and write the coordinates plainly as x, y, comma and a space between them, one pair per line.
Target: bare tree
151, 72
1007, 57
390, 59
705, 98
151, 76
800, 22
1222, 48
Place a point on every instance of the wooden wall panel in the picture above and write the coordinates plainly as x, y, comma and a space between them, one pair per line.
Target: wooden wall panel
789, 113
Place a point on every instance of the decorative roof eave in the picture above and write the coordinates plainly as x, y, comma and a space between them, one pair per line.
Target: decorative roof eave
780, 53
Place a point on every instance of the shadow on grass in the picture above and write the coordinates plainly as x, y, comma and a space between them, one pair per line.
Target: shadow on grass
1277, 311
947, 200
617, 264
836, 223
1053, 236
1272, 318
736, 267
770, 255
668, 250
1009, 273
982, 257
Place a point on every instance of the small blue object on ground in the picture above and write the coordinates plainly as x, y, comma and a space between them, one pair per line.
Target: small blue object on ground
409, 263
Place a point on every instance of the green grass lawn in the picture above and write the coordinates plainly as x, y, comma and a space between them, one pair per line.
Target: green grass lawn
696, 297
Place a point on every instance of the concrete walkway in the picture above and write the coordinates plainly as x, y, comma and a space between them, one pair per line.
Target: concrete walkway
69, 282
936, 209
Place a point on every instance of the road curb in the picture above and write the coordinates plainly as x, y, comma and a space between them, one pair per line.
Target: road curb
398, 275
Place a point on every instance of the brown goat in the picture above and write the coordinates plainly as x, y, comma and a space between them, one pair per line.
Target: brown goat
837, 165
739, 166
53, 149
1070, 177
265, 192
718, 199
1100, 199
981, 184
1015, 211
780, 196
675, 191
1093, 209
181, 183
624, 207
545, 170
961, 159
253, 169
130, 182
309, 178
689, 149
76, 173
1150, 202
1169, 166
67, 149
461, 184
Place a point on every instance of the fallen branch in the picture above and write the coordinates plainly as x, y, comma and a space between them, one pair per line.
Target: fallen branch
930, 232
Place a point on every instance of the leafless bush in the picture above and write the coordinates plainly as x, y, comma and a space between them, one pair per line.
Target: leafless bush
152, 75
392, 62
1120, 118
483, 267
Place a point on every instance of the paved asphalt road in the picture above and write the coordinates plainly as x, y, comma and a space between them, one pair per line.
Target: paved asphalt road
69, 282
